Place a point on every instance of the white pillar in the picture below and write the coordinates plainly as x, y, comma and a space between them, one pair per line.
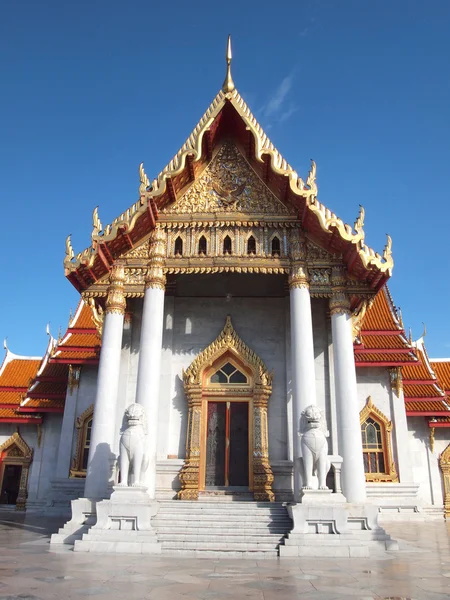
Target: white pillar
349, 428
101, 456
67, 429
302, 356
149, 367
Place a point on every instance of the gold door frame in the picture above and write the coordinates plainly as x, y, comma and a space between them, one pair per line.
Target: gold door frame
204, 434
444, 463
15, 451
227, 346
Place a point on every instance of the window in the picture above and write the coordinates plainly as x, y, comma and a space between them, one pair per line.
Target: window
251, 245
227, 245
228, 374
84, 429
178, 247
276, 246
372, 441
202, 246
376, 444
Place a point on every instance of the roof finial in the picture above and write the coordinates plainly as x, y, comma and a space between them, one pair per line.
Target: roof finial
228, 84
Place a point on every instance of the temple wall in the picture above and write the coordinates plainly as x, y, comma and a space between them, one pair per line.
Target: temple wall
85, 397
425, 464
375, 382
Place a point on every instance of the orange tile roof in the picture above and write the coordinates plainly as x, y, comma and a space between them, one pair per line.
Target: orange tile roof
48, 387
379, 357
384, 341
418, 391
426, 406
418, 370
41, 403
19, 371
10, 413
87, 340
77, 355
442, 370
13, 398
82, 318
381, 315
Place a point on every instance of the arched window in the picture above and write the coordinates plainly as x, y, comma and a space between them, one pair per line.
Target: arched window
228, 374
202, 246
251, 245
84, 427
376, 443
227, 249
276, 246
178, 251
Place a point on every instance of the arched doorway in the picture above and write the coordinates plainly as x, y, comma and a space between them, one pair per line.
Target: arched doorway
15, 461
228, 388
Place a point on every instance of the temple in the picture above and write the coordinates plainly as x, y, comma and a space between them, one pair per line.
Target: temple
225, 302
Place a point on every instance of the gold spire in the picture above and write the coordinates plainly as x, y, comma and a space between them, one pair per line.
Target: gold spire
228, 84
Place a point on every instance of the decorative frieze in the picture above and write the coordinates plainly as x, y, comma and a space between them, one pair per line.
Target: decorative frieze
115, 300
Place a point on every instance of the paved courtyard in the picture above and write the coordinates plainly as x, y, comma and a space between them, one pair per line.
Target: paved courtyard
30, 571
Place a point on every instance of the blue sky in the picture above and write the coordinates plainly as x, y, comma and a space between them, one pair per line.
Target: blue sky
91, 89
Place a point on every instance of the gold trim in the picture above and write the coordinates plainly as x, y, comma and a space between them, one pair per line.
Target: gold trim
256, 392
115, 300
444, 463
395, 374
17, 453
81, 426
370, 410
155, 277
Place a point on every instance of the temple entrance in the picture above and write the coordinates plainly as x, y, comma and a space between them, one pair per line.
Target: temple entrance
227, 388
15, 461
10, 484
227, 445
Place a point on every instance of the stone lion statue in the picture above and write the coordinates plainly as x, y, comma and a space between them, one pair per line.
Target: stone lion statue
132, 451
314, 444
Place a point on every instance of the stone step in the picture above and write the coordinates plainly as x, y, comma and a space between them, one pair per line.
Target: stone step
120, 547
255, 506
222, 530
224, 518
218, 510
219, 546
111, 535
214, 538
228, 554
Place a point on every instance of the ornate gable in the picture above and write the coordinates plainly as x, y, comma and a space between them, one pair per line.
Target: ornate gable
229, 185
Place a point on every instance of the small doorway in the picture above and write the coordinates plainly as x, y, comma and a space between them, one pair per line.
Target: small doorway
11, 484
227, 442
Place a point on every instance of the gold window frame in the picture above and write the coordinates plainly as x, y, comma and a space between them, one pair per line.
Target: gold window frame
444, 463
390, 474
82, 427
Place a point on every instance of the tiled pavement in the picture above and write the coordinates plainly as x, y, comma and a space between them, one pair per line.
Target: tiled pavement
29, 571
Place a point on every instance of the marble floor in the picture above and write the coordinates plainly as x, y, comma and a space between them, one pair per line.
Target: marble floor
30, 571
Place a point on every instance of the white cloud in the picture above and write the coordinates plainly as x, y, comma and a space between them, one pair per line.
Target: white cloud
276, 107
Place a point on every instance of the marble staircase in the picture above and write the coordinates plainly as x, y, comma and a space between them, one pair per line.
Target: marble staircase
221, 529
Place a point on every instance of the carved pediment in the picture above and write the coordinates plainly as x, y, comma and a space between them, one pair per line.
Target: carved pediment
229, 185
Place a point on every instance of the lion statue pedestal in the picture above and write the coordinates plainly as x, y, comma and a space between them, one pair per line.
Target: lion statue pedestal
351, 529
124, 521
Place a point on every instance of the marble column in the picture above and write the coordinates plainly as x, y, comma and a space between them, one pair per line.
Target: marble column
347, 405
68, 425
101, 457
149, 367
302, 356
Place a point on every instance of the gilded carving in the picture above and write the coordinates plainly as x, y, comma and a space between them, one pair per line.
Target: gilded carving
81, 423
155, 277
395, 374
444, 463
229, 184
115, 300
139, 251
97, 315
339, 301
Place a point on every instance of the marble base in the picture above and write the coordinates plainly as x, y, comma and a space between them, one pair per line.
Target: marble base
123, 524
319, 497
333, 529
